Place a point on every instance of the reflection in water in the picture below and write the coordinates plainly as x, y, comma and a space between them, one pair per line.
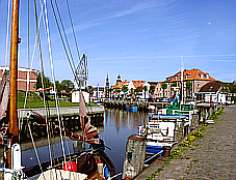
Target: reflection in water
118, 126
29, 158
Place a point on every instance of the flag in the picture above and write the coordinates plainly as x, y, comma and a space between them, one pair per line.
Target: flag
90, 133
82, 111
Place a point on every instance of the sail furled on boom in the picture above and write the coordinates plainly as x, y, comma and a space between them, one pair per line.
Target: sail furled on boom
4, 96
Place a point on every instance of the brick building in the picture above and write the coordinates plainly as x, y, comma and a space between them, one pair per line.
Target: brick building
193, 79
23, 73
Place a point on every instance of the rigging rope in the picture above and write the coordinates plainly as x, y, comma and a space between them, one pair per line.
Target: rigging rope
65, 43
5, 62
35, 148
42, 77
28, 59
61, 125
73, 29
30, 63
7, 35
53, 75
64, 34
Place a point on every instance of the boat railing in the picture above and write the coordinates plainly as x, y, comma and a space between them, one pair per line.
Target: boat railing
153, 156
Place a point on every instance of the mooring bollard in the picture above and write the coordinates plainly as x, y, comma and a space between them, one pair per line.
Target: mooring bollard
135, 155
166, 151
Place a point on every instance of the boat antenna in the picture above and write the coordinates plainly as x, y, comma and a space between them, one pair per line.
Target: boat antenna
13, 131
182, 80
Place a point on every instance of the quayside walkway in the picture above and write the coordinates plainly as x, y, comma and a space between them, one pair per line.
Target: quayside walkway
212, 157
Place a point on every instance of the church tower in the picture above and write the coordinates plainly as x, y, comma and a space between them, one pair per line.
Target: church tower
107, 87
118, 79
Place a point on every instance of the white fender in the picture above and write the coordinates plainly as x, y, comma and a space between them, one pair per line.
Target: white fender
16, 157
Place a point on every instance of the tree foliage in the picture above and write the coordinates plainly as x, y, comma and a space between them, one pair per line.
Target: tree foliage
174, 84
67, 85
138, 89
152, 89
229, 87
46, 80
232, 87
164, 86
189, 84
125, 88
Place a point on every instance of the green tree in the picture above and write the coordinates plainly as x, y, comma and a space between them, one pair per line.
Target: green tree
46, 80
164, 86
174, 84
232, 87
59, 86
67, 85
131, 90
138, 89
189, 88
145, 91
125, 88
189, 84
152, 89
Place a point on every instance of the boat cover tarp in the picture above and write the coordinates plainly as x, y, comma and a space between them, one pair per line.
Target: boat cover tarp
59, 175
4, 96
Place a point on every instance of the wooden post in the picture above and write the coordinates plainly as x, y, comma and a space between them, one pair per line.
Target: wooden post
13, 129
13, 121
135, 155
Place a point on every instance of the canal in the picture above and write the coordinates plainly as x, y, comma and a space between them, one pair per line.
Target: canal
118, 126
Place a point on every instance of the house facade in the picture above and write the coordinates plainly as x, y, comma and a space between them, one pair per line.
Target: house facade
24, 75
193, 81
140, 88
212, 93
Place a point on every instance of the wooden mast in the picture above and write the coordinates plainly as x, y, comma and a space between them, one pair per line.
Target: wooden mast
13, 121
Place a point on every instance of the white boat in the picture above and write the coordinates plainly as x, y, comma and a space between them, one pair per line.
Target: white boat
161, 131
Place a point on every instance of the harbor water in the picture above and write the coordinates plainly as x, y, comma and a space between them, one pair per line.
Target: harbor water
118, 126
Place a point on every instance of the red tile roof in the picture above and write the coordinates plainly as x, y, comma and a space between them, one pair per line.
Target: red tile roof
212, 86
190, 75
120, 84
138, 83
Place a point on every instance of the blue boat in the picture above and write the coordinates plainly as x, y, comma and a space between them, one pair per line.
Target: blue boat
154, 149
133, 108
169, 116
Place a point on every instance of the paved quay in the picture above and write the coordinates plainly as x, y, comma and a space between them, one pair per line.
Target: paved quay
212, 157
62, 110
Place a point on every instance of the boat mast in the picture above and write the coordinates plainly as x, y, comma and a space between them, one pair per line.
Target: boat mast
13, 121
182, 80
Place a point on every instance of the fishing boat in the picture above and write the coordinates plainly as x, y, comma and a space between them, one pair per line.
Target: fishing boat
90, 164
163, 131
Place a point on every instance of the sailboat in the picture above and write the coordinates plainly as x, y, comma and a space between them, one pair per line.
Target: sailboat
92, 164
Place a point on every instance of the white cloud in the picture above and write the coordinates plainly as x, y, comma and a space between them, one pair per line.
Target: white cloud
123, 13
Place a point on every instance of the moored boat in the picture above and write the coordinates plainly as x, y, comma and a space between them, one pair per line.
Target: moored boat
92, 164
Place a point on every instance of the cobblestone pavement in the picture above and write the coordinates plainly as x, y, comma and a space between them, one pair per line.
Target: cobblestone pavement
212, 157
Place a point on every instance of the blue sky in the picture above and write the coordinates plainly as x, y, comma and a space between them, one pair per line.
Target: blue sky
142, 39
